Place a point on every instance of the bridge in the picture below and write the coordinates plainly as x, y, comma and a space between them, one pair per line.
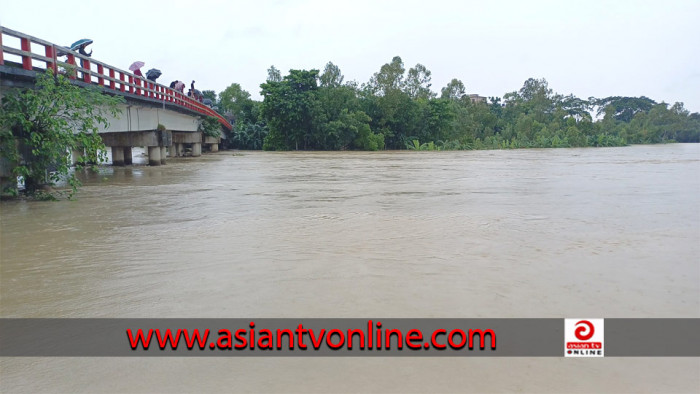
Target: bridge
148, 104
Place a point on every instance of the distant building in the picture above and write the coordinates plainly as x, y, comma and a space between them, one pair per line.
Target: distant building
475, 98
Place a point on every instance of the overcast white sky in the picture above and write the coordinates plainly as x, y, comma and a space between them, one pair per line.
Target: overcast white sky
587, 48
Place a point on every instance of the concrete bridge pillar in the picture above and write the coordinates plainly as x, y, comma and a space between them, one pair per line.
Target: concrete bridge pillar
122, 143
154, 155
128, 158
176, 150
117, 156
180, 139
212, 143
197, 149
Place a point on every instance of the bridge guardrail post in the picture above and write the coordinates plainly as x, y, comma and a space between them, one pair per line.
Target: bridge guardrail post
112, 84
71, 61
100, 71
2, 51
26, 46
85, 65
50, 51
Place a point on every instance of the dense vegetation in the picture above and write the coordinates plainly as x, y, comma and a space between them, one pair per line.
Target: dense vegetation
39, 127
395, 109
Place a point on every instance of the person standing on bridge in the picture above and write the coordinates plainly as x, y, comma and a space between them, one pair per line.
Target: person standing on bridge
80, 46
136, 68
81, 51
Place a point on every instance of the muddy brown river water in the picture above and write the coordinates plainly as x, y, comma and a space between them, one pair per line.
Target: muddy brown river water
606, 232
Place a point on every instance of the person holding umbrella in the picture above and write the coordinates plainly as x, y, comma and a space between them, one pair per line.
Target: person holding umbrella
80, 46
153, 74
136, 68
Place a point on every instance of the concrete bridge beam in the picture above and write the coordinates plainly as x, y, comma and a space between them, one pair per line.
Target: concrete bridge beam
137, 138
181, 137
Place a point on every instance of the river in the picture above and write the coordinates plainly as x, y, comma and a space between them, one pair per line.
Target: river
595, 232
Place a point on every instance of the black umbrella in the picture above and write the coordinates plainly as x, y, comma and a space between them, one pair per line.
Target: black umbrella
153, 74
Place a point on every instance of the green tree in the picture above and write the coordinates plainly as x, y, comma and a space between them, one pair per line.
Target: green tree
236, 102
418, 83
331, 77
439, 119
397, 118
211, 127
390, 77
537, 99
250, 135
273, 74
625, 107
40, 126
366, 139
534, 88
350, 129
290, 107
454, 90
249, 130
573, 106
210, 94
399, 110
340, 111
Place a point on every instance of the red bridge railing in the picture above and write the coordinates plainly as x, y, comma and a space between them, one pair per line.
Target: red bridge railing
36, 54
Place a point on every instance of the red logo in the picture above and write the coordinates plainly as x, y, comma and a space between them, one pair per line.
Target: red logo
584, 332
584, 337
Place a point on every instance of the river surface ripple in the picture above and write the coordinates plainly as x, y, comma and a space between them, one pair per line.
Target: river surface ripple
605, 232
